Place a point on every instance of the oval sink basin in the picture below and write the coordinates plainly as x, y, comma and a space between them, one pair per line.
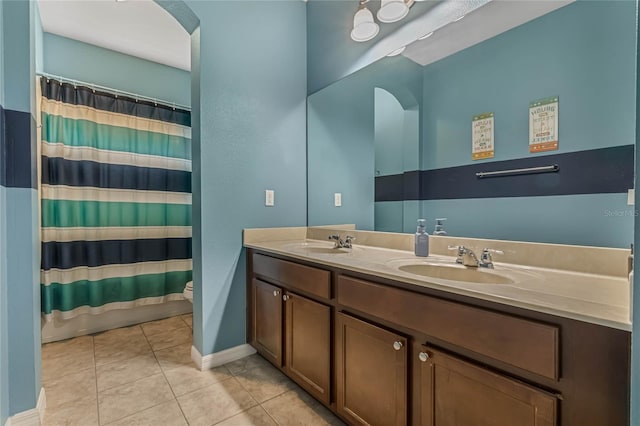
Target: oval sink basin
470, 275
317, 248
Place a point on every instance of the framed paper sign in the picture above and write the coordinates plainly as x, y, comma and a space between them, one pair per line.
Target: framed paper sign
482, 136
543, 125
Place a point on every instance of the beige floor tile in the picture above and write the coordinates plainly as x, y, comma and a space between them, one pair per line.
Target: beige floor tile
264, 383
121, 349
163, 325
72, 413
124, 400
66, 357
121, 372
77, 386
175, 356
186, 378
188, 319
54, 368
67, 347
247, 363
255, 416
298, 408
170, 338
214, 403
165, 414
117, 335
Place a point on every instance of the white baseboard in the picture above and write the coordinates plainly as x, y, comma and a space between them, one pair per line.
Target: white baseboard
219, 358
89, 324
33, 417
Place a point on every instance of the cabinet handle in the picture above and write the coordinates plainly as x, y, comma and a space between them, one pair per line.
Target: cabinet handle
286, 297
397, 345
423, 356
276, 293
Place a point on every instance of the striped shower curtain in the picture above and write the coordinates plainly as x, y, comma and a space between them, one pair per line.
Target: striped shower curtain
115, 200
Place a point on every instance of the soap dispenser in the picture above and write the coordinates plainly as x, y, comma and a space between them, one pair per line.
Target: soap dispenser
422, 240
439, 229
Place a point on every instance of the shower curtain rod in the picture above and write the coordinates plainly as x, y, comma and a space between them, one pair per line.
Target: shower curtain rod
114, 91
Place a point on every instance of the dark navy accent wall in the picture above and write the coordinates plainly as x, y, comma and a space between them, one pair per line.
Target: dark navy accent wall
596, 171
3, 155
19, 149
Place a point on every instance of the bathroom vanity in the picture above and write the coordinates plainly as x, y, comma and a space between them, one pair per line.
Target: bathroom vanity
381, 341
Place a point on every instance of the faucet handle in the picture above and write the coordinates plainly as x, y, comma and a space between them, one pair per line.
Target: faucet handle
459, 249
334, 237
488, 251
349, 238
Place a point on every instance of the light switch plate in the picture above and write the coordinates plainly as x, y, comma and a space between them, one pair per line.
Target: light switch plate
337, 199
631, 197
269, 197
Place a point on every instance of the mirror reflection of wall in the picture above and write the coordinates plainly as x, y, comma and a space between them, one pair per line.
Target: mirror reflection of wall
396, 147
582, 52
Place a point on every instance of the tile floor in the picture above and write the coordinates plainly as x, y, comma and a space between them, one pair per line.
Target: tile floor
143, 375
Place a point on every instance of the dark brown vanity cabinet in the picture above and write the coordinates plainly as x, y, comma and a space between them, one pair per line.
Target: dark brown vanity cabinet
308, 344
458, 393
380, 352
371, 373
288, 329
267, 320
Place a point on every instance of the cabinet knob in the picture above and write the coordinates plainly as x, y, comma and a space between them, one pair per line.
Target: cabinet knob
397, 345
423, 356
286, 297
276, 292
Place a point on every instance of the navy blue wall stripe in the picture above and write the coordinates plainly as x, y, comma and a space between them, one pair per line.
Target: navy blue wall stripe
3, 174
81, 95
18, 146
597, 171
65, 255
58, 171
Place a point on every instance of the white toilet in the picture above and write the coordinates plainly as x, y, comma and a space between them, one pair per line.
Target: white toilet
188, 291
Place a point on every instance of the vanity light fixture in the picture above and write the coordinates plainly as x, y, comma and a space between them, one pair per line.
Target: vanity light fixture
397, 51
392, 11
427, 35
364, 27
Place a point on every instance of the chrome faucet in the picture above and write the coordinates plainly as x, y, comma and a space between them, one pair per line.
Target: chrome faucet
486, 260
467, 257
340, 243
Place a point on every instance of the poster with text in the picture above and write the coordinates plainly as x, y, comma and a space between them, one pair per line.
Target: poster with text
482, 136
543, 125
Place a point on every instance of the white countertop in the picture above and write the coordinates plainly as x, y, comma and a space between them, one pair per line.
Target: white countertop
593, 298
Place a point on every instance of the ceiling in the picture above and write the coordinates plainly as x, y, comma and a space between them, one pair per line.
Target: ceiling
493, 18
136, 27
142, 28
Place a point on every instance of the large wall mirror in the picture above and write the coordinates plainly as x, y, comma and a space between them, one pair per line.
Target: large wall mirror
394, 138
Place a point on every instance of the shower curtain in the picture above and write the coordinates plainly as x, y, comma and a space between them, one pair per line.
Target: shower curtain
115, 201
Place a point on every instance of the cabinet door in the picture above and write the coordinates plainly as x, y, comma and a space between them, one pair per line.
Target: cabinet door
371, 371
267, 320
457, 393
308, 348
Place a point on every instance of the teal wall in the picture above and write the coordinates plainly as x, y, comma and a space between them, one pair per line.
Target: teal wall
85, 62
585, 53
252, 138
340, 137
19, 290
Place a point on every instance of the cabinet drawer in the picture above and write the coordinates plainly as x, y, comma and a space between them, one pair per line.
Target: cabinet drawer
293, 276
525, 344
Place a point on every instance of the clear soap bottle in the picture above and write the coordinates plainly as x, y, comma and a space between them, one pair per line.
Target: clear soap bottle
422, 239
